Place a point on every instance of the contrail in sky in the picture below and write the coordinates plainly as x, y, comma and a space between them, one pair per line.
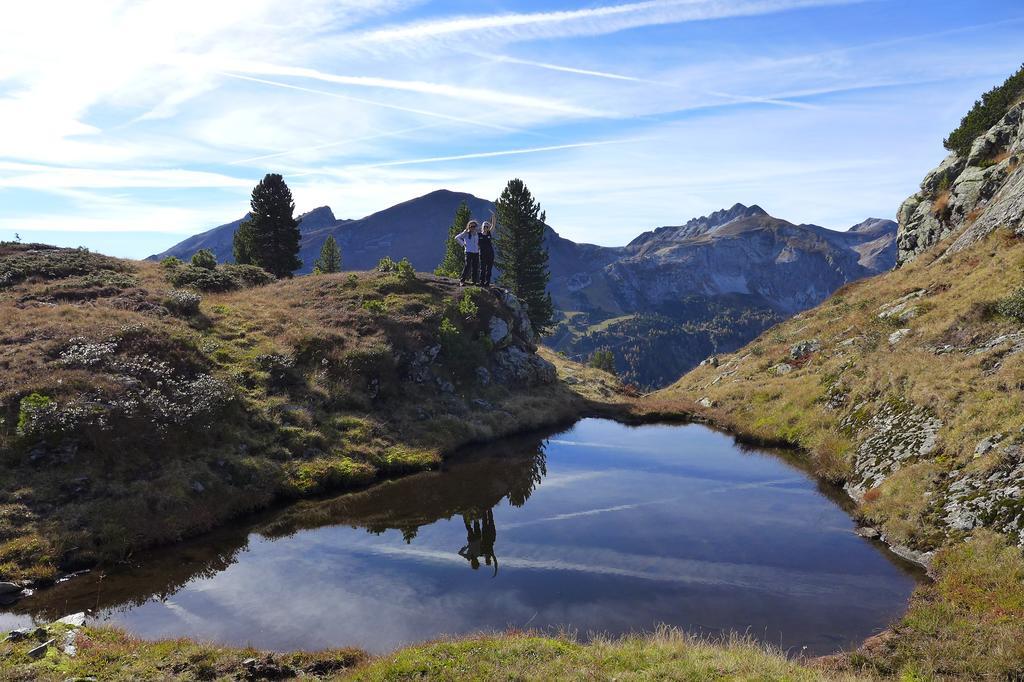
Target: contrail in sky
337, 95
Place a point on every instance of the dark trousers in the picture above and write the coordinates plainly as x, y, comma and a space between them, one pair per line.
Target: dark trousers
471, 270
486, 265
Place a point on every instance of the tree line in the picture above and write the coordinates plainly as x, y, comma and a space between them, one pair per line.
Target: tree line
269, 238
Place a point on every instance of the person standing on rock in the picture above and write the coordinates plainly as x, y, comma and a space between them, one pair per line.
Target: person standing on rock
487, 250
469, 239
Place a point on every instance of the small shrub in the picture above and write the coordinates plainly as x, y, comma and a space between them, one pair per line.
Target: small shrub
1012, 306
450, 335
352, 281
205, 259
375, 306
184, 303
385, 264
172, 262
467, 306
29, 406
49, 263
405, 270
220, 278
249, 276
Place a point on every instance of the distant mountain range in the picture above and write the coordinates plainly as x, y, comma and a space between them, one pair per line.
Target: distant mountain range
662, 303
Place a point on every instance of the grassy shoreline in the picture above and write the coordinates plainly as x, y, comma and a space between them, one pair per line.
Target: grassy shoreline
967, 623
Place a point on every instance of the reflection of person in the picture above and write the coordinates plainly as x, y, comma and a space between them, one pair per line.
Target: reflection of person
480, 541
490, 534
471, 552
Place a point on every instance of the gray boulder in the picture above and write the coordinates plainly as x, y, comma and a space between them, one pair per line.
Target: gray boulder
513, 365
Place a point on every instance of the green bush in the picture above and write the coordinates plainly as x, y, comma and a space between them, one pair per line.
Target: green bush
375, 306
468, 307
249, 276
29, 405
204, 258
986, 112
462, 352
1012, 305
405, 269
183, 302
221, 278
49, 263
385, 264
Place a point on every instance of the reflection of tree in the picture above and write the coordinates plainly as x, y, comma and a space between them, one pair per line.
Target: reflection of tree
470, 486
523, 487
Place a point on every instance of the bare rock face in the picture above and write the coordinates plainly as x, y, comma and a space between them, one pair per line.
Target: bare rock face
991, 497
967, 198
898, 434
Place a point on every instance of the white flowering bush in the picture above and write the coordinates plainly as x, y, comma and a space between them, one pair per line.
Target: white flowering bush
183, 302
81, 352
151, 391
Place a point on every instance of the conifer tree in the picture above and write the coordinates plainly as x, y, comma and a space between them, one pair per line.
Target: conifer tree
603, 359
451, 265
330, 257
270, 237
520, 253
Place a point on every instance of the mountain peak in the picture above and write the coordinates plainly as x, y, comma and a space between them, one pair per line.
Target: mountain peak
702, 225
318, 218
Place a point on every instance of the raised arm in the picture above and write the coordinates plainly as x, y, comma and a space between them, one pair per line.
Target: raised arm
494, 222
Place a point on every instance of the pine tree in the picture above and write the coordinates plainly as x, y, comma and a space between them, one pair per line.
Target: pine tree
603, 359
270, 237
330, 257
451, 265
520, 252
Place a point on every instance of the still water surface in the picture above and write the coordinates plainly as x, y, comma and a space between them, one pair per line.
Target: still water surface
600, 528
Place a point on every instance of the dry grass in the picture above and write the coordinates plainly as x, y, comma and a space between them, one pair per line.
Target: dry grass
968, 624
940, 206
974, 394
315, 367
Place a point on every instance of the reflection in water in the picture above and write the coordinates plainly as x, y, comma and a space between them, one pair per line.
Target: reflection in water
605, 528
480, 537
469, 487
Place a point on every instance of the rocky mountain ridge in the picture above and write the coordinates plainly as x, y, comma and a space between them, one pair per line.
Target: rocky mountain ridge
967, 197
906, 387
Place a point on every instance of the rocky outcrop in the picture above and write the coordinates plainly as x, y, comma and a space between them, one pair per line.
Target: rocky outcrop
898, 434
989, 495
966, 198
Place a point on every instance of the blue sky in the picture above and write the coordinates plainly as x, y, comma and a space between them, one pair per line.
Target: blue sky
125, 126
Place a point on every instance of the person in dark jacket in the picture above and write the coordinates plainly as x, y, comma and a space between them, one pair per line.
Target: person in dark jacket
487, 251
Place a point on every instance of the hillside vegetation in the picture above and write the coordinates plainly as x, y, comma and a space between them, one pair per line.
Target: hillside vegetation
985, 113
134, 413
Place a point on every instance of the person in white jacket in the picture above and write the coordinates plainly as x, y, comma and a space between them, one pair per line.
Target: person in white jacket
469, 239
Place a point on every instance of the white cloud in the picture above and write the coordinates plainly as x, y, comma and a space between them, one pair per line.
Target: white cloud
581, 22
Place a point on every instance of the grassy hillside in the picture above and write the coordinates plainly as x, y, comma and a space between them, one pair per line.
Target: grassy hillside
133, 413
907, 388
897, 386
